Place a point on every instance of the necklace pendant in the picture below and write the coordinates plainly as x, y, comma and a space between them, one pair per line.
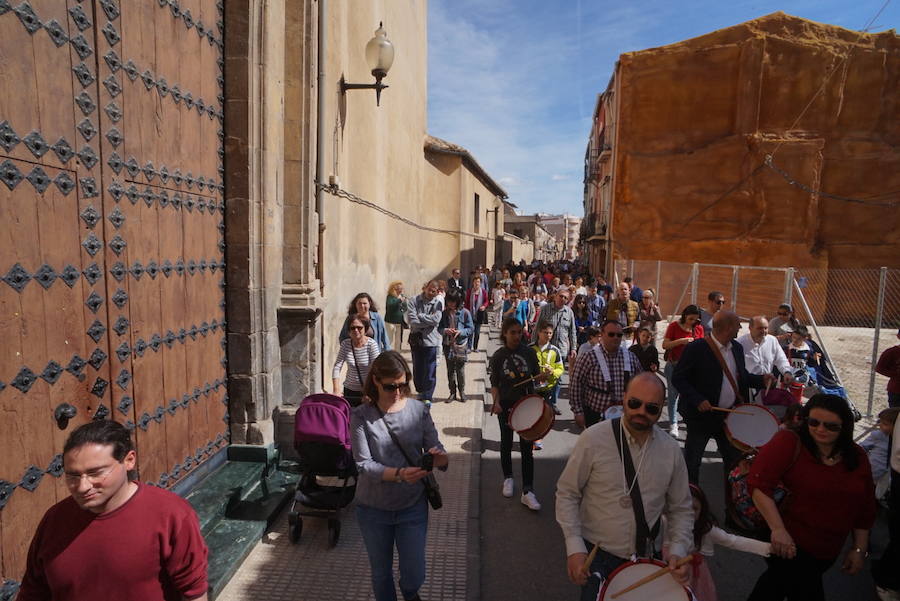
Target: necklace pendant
625, 501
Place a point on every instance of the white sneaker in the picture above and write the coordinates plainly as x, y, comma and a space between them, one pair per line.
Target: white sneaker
673, 430
530, 501
508, 485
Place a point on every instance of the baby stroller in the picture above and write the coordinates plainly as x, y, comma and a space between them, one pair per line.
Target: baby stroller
328, 474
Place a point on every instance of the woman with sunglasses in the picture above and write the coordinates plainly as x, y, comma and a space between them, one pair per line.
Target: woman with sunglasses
392, 509
582, 318
358, 352
678, 335
831, 495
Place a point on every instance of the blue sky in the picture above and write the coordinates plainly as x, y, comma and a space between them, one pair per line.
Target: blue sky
515, 81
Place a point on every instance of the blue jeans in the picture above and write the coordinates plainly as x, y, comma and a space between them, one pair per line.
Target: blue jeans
407, 529
424, 368
551, 395
671, 393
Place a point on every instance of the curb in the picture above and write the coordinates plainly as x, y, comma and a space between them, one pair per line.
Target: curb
473, 551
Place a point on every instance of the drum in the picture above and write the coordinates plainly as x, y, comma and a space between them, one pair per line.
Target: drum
750, 426
664, 588
531, 417
613, 412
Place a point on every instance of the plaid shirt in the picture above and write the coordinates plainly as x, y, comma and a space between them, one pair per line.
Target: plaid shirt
587, 387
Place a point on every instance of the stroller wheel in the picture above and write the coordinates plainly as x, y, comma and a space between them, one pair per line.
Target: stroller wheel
295, 527
334, 532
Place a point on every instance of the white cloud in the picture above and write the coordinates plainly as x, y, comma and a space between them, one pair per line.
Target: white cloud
558, 177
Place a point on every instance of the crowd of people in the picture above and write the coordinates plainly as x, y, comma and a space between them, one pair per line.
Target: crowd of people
628, 490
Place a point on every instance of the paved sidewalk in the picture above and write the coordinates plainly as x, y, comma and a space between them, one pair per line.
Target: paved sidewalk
279, 570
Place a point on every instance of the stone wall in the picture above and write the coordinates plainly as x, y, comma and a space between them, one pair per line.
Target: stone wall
697, 118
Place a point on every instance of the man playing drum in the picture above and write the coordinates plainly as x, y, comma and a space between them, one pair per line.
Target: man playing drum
763, 353
621, 477
600, 377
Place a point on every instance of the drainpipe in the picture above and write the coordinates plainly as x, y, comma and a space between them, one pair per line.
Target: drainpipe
320, 142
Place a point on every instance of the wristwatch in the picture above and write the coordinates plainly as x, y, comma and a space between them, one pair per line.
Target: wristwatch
397, 478
860, 551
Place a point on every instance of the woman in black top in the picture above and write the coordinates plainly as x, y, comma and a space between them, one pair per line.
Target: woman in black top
513, 363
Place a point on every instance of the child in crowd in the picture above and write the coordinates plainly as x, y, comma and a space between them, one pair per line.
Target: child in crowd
514, 373
551, 363
707, 535
798, 354
791, 419
497, 296
593, 339
878, 446
645, 350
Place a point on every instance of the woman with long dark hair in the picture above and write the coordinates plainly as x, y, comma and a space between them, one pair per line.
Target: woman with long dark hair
582, 318
391, 505
678, 335
364, 306
831, 495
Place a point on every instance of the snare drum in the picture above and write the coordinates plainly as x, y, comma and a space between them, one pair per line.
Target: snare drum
750, 426
664, 588
531, 417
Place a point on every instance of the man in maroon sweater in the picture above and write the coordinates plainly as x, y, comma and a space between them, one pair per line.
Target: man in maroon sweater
114, 538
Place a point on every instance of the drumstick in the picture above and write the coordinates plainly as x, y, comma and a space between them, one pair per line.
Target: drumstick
653, 576
590, 558
525, 381
738, 411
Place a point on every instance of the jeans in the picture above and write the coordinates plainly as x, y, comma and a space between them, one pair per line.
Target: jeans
671, 392
525, 449
424, 371
456, 375
798, 579
479, 319
407, 529
699, 431
604, 563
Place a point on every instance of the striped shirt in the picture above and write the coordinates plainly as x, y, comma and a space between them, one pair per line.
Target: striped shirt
354, 357
588, 387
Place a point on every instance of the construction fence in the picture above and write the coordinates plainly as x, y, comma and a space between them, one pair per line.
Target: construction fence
853, 314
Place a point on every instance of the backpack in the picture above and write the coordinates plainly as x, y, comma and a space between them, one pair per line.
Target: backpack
741, 513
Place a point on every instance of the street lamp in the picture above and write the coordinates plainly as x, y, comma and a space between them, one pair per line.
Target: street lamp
380, 57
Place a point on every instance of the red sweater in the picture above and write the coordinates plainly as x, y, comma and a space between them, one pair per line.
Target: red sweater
825, 502
149, 549
674, 332
889, 365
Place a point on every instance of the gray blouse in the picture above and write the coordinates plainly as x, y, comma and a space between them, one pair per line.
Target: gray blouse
374, 450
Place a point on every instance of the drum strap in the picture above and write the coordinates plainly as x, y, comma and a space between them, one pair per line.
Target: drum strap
738, 397
644, 535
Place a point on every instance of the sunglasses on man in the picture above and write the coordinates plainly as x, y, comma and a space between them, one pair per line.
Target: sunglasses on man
651, 408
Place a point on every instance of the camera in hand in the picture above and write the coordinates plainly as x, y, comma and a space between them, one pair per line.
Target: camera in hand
427, 462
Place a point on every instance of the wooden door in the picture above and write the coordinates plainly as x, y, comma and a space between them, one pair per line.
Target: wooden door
112, 244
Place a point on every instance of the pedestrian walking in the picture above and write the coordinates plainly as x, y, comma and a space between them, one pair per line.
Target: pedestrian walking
831, 496
363, 306
678, 335
551, 363
715, 302
622, 309
648, 311
456, 328
423, 313
710, 374
558, 313
358, 352
477, 302
600, 377
395, 446
394, 307
621, 478
511, 368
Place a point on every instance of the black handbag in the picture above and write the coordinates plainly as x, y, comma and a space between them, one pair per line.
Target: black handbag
432, 488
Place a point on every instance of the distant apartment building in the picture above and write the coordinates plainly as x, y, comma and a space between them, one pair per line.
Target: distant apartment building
772, 142
528, 227
565, 228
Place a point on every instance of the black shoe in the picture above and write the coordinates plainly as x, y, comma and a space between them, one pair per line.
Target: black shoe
452, 397
462, 397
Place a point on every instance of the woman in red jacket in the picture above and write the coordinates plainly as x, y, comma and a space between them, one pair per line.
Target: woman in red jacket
831, 495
